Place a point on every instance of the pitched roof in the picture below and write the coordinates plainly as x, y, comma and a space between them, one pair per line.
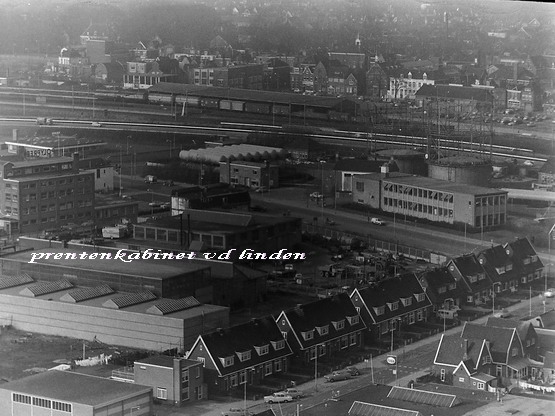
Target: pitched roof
245, 337
469, 266
437, 278
455, 92
499, 339
522, 253
323, 313
497, 262
451, 351
549, 166
389, 292
522, 327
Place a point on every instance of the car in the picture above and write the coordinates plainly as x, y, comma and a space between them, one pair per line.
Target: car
165, 205
504, 313
96, 124
261, 189
154, 204
353, 370
294, 393
316, 195
528, 163
279, 397
338, 376
376, 221
549, 293
237, 412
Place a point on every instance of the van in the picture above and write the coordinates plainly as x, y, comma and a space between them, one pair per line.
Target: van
151, 179
447, 313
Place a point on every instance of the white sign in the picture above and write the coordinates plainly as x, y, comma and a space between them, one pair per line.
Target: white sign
391, 359
39, 153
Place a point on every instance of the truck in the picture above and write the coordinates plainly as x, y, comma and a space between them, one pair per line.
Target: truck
114, 232
151, 179
44, 121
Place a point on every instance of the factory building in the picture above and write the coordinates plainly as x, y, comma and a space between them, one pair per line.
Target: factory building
133, 320
68, 393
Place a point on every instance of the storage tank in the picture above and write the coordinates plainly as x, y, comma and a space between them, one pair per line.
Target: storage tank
461, 169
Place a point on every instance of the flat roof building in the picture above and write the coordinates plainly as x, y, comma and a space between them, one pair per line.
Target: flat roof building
432, 199
65, 392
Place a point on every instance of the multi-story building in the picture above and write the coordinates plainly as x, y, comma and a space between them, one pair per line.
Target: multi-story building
42, 193
142, 75
405, 88
173, 379
432, 199
352, 60
241, 76
251, 174
377, 81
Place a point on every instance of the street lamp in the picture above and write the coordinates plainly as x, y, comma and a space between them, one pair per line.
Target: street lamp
246, 381
316, 366
549, 237
393, 329
322, 167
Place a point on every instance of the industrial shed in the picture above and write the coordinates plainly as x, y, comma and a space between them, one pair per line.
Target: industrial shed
254, 101
134, 320
248, 152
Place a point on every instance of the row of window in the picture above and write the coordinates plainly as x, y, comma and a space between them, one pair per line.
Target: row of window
393, 306
246, 355
269, 368
419, 192
413, 206
53, 218
39, 402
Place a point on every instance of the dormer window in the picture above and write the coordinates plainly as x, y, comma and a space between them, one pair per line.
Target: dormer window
307, 335
500, 270
393, 306
441, 289
509, 267
353, 320
379, 310
481, 276
534, 258
323, 330
338, 325
526, 260
406, 301
244, 355
262, 350
420, 297
278, 345
227, 361
473, 278
452, 286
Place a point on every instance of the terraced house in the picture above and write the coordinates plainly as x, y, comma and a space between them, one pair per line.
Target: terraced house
248, 353
391, 303
322, 328
471, 276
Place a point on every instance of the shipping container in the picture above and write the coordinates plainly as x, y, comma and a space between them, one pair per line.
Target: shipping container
225, 105
237, 105
259, 108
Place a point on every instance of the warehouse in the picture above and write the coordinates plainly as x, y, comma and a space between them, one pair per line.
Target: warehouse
68, 393
165, 278
134, 320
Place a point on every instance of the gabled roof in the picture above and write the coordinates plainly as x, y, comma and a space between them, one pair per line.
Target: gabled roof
522, 327
228, 342
499, 339
549, 360
521, 252
549, 166
548, 319
451, 352
455, 92
494, 258
468, 266
437, 278
322, 313
389, 292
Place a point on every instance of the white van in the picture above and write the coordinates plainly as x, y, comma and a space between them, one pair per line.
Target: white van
447, 314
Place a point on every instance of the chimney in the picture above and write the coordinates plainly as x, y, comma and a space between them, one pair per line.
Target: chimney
465, 346
385, 170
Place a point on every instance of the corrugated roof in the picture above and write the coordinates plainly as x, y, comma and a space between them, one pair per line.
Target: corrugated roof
455, 92
18, 280
81, 294
370, 409
129, 299
166, 306
44, 287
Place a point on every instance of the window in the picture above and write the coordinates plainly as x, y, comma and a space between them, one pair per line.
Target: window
461, 379
353, 339
227, 361
393, 305
323, 330
353, 320
263, 350
379, 310
339, 325
481, 386
420, 297
185, 393
244, 355
278, 345
277, 366
233, 380
42, 403
442, 374
344, 342
308, 335
514, 352
184, 376
21, 398
161, 393
268, 368
64, 407
406, 301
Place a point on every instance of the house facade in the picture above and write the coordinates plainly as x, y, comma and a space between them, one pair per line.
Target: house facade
392, 304
472, 278
243, 354
320, 329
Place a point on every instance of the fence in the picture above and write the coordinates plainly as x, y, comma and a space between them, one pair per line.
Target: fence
378, 245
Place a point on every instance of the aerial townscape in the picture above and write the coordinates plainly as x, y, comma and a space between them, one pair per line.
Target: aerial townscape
277, 207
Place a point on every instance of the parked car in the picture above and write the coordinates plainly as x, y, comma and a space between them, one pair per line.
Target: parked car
316, 195
337, 376
504, 313
261, 189
279, 397
96, 124
294, 393
353, 370
549, 293
376, 221
237, 412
